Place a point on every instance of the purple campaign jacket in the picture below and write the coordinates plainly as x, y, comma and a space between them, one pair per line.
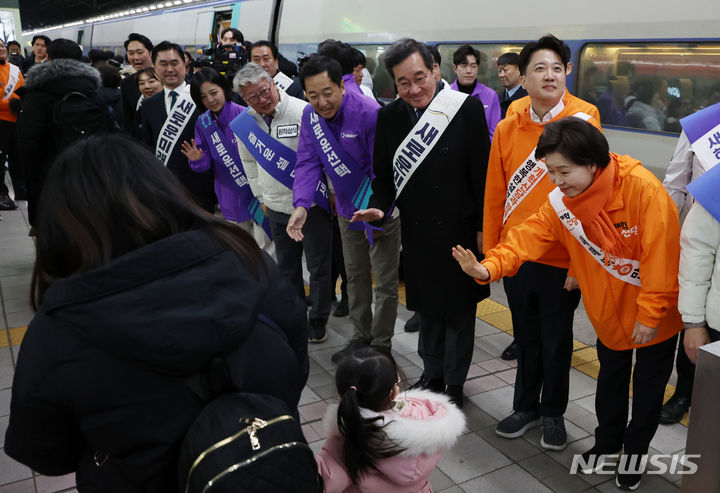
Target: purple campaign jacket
490, 102
228, 198
354, 128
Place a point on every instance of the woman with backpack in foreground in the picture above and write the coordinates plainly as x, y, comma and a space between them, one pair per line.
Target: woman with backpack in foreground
139, 292
382, 440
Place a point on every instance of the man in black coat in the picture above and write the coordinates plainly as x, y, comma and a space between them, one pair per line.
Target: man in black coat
440, 206
169, 62
137, 49
509, 73
46, 84
40, 44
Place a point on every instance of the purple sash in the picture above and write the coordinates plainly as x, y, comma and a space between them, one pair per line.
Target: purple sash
343, 170
275, 157
228, 155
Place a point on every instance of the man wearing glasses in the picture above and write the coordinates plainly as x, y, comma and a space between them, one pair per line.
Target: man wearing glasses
430, 159
268, 134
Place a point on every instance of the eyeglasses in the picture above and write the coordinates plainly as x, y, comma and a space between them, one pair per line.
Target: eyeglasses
405, 85
255, 98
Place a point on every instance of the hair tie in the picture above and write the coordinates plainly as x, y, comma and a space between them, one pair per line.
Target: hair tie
352, 387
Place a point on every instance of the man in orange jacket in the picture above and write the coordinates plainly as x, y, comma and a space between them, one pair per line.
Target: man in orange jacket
11, 80
626, 261
542, 297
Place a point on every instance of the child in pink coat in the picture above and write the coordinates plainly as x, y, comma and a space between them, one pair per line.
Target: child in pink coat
381, 440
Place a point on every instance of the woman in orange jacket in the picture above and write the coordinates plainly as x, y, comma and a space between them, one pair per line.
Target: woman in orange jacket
622, 232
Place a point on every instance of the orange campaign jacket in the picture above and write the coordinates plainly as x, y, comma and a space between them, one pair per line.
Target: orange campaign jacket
5, 113
515, 137
647, 221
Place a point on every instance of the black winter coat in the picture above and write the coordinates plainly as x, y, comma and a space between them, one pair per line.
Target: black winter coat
441, 205
45, 84
101, 369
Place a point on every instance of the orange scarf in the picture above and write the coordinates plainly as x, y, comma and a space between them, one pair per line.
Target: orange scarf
589, 208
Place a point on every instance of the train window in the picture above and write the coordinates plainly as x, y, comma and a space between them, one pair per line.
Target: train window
489, 53
649, 85
383, 84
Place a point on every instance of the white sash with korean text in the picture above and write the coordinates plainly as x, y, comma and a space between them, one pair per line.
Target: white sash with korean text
174, 125
13, 78
527, 176
624, 269
282, 81
424, 135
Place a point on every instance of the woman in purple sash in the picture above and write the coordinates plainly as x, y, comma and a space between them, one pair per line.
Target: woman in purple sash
214, 146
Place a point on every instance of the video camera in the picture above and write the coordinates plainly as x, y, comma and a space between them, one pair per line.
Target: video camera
225, 59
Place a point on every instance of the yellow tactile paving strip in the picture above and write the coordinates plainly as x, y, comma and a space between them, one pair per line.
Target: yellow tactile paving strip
584, 357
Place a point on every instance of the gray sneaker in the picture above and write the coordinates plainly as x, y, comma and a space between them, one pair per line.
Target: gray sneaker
518, 423
554, 434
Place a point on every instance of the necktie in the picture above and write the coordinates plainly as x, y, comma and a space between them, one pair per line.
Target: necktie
173, 98
268, 119
419, 113
507, 95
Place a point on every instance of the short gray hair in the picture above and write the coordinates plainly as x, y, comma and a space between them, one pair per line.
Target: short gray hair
252, 73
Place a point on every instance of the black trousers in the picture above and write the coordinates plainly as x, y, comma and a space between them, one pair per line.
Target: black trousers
8, 149
542, 316
653, 365
338, 261
685, 368
316, 244
446, 344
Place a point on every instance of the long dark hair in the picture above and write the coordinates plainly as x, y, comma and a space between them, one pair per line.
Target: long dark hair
108, 195
364, 379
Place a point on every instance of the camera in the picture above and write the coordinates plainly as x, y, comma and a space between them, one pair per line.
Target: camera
225, 59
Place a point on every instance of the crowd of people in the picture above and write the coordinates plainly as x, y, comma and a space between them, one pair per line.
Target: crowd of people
141, 280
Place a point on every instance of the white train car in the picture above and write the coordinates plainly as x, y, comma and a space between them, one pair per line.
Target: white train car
612, 42
615, 45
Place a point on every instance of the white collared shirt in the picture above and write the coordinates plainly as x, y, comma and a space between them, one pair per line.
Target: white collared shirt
555, 111
184, 87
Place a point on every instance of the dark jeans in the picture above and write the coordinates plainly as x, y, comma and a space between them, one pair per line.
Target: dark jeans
317, 246
446, 344
542, 316
653, 365
685, 368
8, 149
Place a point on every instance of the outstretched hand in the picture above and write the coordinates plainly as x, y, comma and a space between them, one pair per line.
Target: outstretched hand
191, 151
469, 264
296, 223
367, 215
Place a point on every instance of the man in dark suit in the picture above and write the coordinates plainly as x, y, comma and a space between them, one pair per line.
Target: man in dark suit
441, 205
509, 74
137, 49
168, 119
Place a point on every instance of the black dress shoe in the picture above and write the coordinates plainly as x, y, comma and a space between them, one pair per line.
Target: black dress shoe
425, 383
510, 352
413, 325
674, 409
6, 203
342, 310
455, 393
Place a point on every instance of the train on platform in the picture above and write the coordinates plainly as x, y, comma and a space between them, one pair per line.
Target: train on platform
670, 53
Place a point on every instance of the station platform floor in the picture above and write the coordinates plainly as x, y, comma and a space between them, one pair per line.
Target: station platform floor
481, 461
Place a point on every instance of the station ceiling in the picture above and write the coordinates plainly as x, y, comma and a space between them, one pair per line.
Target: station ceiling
39, 13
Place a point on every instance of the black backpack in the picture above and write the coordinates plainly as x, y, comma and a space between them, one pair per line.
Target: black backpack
76, 115
247, 443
